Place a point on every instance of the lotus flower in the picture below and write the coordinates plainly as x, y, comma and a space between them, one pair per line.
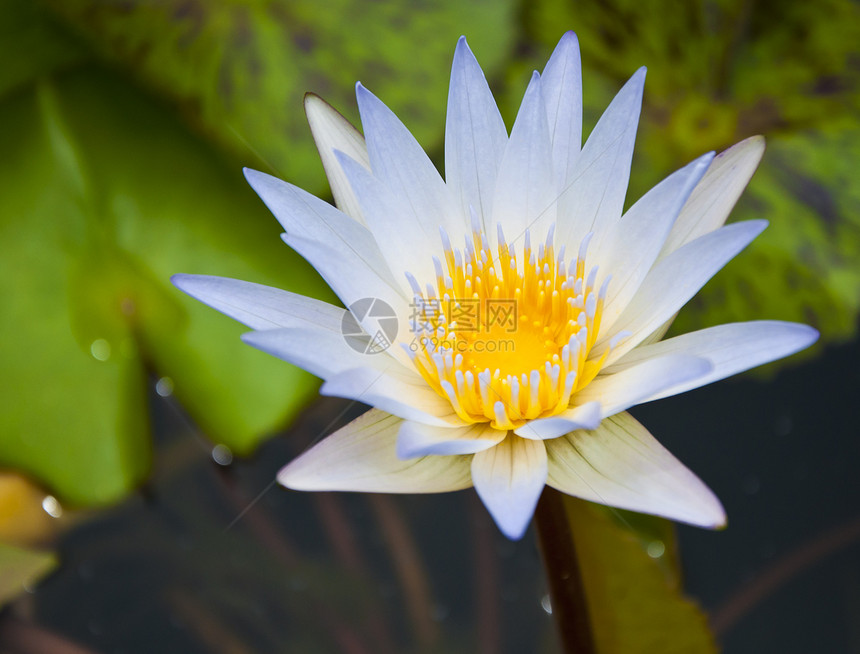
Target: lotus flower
502, 320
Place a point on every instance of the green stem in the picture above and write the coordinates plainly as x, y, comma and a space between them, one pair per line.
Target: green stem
566, 590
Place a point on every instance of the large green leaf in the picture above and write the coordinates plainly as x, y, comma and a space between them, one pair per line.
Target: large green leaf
632, 586
240, 69
102, 197
720, 72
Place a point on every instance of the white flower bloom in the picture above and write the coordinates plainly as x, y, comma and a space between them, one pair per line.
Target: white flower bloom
529, 307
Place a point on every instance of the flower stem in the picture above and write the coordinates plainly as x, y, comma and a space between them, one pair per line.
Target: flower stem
566, 591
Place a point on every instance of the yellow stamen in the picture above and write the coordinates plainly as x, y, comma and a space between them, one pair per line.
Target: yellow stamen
504, 340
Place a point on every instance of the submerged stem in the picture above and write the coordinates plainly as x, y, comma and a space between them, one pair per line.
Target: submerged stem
567, 594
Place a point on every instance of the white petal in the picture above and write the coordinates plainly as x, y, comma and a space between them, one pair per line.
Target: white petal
397, 390
642, 381
361, 457
524, 197
620, 464
629, 248
305, 216
475, 136
322, 352
331, 131
730, 348
258, 306
400, 164
417, 439
674, 280
594, 198
351, 279
404, 247
561, 86
586, 416
509, 479
715, 196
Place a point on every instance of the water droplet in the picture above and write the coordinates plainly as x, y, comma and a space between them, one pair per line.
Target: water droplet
100, 349
656, 549
222, 455
52, 506
164, 387
546, 604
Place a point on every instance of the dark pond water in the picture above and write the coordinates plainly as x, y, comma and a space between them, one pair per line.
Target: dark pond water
214, 558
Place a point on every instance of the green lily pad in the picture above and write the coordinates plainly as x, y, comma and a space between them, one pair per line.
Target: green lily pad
632, 585
103, 196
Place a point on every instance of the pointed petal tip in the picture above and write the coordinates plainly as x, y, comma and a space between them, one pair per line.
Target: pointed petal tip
180, 280
758, 225
367, 100
813, 334
291, 477
804, 336
253, 176
286, 478
513, 524
707, 512
313, 102
514, 532
634, 88
193, 285
715, 518
569, 37
463, 55
509, 479
752, 147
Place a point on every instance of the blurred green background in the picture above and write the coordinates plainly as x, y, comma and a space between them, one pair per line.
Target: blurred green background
123, 129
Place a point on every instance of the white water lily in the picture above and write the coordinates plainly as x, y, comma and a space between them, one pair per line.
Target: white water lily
529, 307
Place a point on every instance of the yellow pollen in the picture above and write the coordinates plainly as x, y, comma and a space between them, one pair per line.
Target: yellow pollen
507, 340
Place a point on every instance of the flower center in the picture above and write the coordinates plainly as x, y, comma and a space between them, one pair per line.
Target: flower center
507, 339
